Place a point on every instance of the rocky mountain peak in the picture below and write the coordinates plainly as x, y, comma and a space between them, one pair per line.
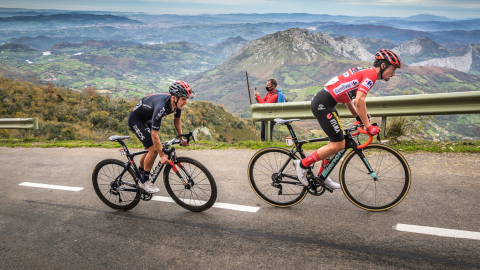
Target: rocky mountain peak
416, 45
460, 63
296, 45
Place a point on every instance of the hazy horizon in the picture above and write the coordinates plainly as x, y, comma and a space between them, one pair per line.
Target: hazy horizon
460, 9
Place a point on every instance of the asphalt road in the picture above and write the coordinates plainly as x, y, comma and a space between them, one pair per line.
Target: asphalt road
57, 229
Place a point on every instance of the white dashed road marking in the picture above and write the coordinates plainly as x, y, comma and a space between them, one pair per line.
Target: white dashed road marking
28, 184
438, 231
228, 206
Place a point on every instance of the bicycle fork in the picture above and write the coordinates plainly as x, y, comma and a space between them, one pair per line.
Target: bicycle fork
367, 164
187, 184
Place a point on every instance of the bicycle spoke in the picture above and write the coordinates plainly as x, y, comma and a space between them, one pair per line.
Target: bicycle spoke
363, 192
388, 190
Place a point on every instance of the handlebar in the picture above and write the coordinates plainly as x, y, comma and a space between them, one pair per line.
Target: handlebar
166, 146
361, 129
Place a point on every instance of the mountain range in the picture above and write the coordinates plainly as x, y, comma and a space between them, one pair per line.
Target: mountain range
422, 51
210, 30
302, 62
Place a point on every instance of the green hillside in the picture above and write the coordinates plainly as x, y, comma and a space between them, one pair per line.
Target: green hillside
374, 44
276, 57
124, 72
301, 75
86, 115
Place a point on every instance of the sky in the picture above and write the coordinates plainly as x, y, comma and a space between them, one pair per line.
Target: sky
456, 9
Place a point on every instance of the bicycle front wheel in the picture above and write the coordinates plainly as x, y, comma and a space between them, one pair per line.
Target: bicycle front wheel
190, 184
274, 186
112, 190
392, 172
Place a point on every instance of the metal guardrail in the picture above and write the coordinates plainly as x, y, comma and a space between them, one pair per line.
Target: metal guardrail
19, 123
408, 105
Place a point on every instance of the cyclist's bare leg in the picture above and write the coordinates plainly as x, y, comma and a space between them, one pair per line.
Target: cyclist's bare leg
326, 151
149, 158
330, 149
142, 159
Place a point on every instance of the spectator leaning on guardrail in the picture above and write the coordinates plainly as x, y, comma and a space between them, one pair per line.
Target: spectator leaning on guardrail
270, 97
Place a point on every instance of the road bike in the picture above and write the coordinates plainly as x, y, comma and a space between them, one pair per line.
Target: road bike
186, 180
374, 177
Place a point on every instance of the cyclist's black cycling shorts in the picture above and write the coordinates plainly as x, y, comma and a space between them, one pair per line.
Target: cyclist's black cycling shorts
323, 107
141, 129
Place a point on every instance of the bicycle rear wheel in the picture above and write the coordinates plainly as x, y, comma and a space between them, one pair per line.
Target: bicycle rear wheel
198, 192
393, 178
110, 189
264, 176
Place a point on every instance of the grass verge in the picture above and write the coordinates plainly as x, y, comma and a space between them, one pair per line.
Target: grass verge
403, 146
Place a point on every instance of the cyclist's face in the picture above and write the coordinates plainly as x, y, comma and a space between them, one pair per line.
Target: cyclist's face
389, 72
182, 102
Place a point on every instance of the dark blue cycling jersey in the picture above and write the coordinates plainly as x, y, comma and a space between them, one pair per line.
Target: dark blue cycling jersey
154, 107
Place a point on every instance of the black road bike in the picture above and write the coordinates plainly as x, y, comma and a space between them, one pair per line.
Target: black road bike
374, 177
186, 180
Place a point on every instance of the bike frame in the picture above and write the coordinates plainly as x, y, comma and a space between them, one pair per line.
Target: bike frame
156, 171
324, 172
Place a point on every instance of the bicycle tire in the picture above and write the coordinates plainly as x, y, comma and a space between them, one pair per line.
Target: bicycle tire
261, 168
104, 174
201, 196
391, 169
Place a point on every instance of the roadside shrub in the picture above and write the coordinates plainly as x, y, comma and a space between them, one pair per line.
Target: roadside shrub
406, 125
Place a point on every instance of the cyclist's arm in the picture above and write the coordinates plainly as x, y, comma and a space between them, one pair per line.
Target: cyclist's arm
177, 123
156, 122
361, 107
158, 146
351, 108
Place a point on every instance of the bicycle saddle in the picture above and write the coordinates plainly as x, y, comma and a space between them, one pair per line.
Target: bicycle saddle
116, 137
284, 122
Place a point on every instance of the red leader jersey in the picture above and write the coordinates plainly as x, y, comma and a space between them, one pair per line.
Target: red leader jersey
344, 87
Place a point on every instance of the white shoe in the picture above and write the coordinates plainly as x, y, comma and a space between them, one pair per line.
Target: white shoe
331, 184
301, 172
148, 186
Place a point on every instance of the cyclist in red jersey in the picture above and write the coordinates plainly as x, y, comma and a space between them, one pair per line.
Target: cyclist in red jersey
350, 88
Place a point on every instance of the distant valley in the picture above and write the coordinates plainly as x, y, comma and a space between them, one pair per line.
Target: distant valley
129, 55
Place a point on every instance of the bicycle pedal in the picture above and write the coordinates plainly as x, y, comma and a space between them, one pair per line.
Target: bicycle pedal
329, 189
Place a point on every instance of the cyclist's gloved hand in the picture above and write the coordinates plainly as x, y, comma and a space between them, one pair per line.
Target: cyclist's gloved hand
360, 120
184, 143
373, 130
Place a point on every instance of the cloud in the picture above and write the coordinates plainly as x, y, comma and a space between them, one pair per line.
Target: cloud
216, 2
460, 9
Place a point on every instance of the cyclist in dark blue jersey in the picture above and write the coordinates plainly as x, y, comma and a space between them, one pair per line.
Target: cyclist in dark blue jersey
153, 108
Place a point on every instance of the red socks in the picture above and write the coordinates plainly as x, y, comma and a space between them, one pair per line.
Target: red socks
310, 159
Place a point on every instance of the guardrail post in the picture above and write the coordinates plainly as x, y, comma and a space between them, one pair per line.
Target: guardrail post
383, 127
268, 124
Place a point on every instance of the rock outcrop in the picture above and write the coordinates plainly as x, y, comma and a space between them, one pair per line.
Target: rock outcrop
230, 46
460, 63
411, 47
301, 44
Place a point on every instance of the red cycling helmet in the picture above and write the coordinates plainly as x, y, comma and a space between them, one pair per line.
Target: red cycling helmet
181, 89
390, 56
